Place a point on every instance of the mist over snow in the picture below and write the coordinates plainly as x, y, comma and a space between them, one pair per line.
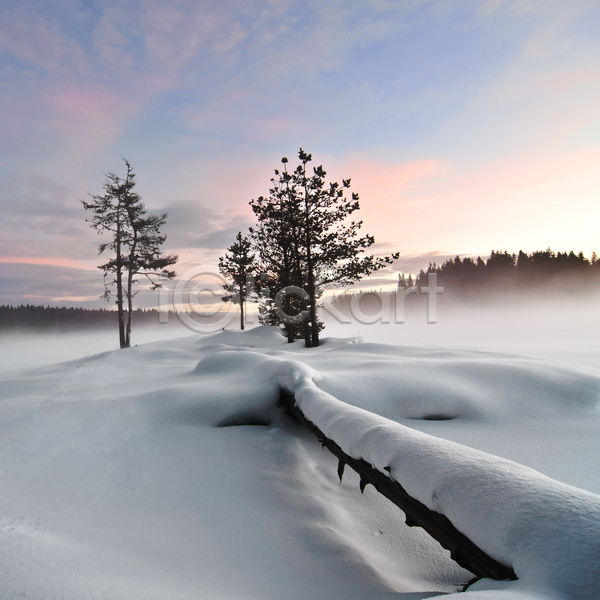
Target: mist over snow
29, 348
167, 470
130, 473
562, 326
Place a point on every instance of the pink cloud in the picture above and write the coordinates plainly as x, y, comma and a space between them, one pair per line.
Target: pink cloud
88, 115
380, 182
520, 202
49, 261
72, 299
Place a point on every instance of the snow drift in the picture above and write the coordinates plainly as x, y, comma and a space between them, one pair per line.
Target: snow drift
117, 481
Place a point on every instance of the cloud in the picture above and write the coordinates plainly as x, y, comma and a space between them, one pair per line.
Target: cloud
463, 126
88, 115
191, 225
37, 195
42, 218
43, 284
79, 78
521, 202
46, 261
56, 285
526, 9
28, 34
222, 238
386, 180
110, 45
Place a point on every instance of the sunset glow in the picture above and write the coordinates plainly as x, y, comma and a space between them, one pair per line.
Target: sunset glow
464, 128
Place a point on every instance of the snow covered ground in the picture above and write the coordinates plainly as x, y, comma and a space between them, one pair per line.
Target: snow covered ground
117, 482
20, 349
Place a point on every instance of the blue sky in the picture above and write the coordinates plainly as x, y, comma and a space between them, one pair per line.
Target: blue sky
465, 126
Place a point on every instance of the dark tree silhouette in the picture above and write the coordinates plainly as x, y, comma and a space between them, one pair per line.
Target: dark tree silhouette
277, 243
135, 241
238, 264
304, 224
542, 270
404, 281
66, 319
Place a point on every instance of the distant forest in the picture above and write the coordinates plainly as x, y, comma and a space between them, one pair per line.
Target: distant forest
48, 317
543, 270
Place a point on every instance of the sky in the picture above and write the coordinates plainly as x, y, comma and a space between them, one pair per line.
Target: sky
465, 126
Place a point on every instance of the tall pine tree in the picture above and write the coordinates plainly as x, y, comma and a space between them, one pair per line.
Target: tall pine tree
276, 241
305, 238
135, 241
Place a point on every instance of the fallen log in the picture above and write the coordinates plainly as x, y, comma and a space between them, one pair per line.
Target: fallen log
438, 526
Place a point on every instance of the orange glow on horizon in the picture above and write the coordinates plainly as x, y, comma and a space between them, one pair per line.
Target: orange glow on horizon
523, 201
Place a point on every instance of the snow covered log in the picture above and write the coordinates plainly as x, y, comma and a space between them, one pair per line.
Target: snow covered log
462, 550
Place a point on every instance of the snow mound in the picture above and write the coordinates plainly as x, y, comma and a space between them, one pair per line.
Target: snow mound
259, 337
408, 383
166, 471
548, 531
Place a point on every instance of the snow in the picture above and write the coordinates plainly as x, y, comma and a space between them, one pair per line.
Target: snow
123, 474
548, 531
33, 348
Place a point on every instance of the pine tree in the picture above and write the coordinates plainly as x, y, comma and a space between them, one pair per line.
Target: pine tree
238, 265
276, 240
135, 241
405, 282
305, 235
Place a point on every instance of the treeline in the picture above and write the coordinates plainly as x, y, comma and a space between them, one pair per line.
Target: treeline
48, 317
540, 270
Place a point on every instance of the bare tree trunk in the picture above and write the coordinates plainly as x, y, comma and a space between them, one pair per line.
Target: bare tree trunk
120, 312
306, 333
129, 309
314, 327
242, 299
130, 274
119, 274
289, 327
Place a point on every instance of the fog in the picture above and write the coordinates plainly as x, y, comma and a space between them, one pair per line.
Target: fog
559, 328
106, 462
28, 349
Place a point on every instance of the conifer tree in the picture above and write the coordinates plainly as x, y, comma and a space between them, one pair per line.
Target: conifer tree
304, 237
238, 265
135, 241
277, 243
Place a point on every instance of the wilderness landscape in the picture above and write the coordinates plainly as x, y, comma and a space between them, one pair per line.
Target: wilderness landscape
299, 300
